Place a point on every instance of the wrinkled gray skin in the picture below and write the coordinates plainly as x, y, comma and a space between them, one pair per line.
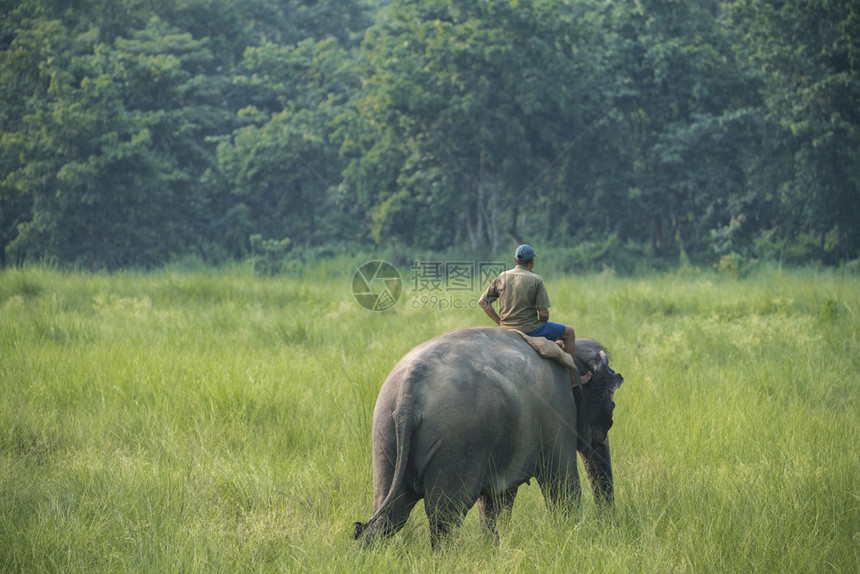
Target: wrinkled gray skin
469, 416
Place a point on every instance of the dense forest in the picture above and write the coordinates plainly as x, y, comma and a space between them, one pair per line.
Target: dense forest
614, 132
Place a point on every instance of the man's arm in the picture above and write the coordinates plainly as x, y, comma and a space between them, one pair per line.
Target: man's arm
543, 315
491, 313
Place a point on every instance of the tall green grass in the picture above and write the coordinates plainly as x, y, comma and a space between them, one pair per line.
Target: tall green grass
214, 421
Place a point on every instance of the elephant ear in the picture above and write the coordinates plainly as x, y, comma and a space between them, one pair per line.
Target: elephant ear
602, 361
591, 365
614, 380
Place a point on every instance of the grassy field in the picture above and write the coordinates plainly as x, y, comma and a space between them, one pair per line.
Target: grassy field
214, 421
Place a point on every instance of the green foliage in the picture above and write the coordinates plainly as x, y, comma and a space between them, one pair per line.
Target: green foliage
109, 140
218, 421
469, 101
685, 268
268, 256
136, 133
732, 264
283, 168
806, 54
589, 256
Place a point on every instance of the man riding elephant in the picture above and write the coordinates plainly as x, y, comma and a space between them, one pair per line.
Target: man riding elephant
524, 305
468, 417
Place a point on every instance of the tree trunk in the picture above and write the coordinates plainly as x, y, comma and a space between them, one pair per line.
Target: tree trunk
656, 233
95, 242
839, 244
492, 215
515, 235
485, 228
476, 233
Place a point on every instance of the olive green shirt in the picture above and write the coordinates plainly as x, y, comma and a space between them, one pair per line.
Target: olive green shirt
521, 294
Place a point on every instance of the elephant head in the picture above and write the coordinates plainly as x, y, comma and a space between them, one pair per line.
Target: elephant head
594, 415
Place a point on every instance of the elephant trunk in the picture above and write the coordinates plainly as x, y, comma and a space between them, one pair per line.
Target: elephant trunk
598, 467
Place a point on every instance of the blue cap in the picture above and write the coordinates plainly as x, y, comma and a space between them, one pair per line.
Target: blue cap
524, 252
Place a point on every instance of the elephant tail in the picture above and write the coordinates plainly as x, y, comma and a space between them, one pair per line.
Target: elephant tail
403, 422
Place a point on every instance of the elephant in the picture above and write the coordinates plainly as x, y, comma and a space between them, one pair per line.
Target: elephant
469, 416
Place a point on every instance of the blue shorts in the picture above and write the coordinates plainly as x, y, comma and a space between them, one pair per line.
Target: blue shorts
551, 331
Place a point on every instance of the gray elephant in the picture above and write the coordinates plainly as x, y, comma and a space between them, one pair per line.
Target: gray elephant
471, 415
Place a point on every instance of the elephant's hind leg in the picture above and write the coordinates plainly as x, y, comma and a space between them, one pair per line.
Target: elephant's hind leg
444, 513
495, 506
398, 512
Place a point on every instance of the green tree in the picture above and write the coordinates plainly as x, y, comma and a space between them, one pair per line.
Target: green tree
679, 126
282, 167
463, 104
807, 55
115, 112
111, 149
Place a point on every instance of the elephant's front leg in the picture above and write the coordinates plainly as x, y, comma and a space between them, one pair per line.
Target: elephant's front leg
493, 506
559, 480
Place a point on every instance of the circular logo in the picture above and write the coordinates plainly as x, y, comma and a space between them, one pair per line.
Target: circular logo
377, 285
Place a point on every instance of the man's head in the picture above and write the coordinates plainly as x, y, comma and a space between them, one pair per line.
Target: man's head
524, 255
